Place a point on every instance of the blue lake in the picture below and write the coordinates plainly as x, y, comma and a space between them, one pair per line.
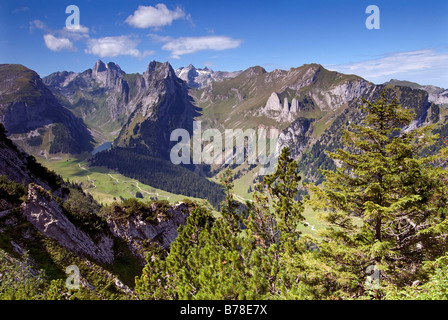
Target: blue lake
103, 147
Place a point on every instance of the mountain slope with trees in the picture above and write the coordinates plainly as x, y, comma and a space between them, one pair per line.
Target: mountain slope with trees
48, 224
384, 206
387, 236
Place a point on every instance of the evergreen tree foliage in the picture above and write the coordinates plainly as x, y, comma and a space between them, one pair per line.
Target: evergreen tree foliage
215, 258
385, 202
435, 289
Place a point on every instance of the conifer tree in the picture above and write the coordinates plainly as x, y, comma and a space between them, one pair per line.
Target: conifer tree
174, 275
385, 202
273, 220
275, 213
216, 259
208, 259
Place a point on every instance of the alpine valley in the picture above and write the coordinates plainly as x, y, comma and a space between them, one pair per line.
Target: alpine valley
77, 149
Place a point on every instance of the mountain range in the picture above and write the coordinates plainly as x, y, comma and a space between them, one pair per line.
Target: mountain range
67, 112
56, 223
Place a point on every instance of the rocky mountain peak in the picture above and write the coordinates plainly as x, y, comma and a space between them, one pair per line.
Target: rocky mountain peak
157, 71
106, 73
254, 71
189, 75
99, 67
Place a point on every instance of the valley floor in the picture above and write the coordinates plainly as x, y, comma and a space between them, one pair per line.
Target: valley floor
103, 184
107, 186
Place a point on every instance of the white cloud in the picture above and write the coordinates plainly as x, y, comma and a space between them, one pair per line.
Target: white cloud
63, 39
21, 9
37, 24
408, 65
74, 34
154, 17
115, 46
64, 32
185, 45
58, 44
159, 39
77, 29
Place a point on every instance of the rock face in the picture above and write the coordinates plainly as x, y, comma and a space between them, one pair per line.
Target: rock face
162, 105
340, 94
137, 232
437, 95
109, 75
273, 103
43, 209
44, 213
294, 106
275, 110
296, 136
285, 105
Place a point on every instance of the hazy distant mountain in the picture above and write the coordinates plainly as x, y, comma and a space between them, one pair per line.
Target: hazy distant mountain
436, 94
199, 78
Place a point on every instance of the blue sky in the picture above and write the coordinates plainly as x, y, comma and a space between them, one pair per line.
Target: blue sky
411, 43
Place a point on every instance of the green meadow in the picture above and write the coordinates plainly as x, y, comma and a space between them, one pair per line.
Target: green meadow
103, 184
107, 186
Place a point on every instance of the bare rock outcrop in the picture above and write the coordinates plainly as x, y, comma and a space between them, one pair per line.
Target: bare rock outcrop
294, 106
273, 103
136, 231
296, 137
45, 214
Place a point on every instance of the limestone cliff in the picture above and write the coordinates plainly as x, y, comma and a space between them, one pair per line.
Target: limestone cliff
138, 233
46, 215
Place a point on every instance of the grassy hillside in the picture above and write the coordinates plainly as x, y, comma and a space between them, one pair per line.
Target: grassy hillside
105, 185
23, 86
